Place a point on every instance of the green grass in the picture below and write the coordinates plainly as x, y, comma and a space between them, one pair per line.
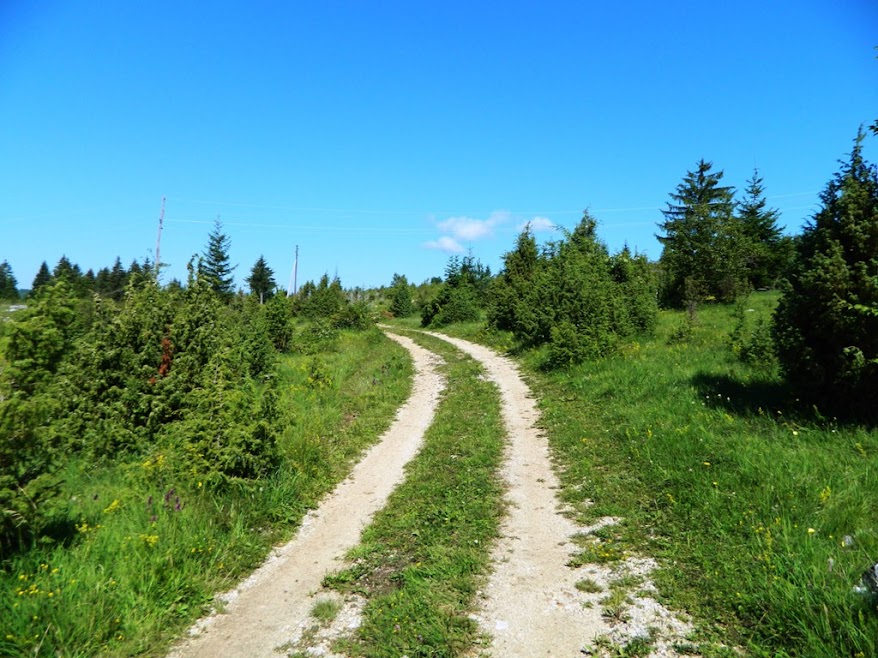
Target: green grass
426, 553
151, 546
326, 610
745, 497
589, 586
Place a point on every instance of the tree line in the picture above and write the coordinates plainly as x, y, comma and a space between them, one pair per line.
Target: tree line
579, 301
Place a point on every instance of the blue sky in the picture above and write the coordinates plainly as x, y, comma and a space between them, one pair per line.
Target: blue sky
380, 137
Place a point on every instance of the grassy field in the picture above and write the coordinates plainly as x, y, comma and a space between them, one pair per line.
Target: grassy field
421, 561
151, 547
762, 513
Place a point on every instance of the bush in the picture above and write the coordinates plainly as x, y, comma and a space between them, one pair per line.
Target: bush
753, 346
39, 339
227, 434
278, 317
352, 316
317, 336
450, 305
568, 346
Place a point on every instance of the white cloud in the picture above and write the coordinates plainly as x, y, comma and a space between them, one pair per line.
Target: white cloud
447, 244
468, 228
539, 225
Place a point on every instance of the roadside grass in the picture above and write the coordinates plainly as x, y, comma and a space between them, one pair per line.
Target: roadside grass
151, 546
422, 560
761, 513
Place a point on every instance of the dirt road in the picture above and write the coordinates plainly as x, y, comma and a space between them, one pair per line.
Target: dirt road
531, 605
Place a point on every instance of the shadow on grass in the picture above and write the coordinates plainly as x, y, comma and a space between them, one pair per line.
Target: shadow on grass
60, 531
755, 397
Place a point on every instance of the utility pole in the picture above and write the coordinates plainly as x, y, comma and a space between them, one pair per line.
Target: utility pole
158, 242
296, 272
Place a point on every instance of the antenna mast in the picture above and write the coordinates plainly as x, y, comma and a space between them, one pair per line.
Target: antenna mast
291, 287
158, 242
296, 273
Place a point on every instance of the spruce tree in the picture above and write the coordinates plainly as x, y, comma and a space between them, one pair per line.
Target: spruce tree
8, 284
514, 283
68, 271
703, 255
117, 281
43, 277
102, 282
261, 280
761, 234
826, 323
215, 265
400, 296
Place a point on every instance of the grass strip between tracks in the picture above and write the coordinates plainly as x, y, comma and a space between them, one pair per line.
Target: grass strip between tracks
422, 560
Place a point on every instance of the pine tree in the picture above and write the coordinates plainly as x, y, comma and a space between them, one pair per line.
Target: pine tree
761, 233
8, 284
703, 255
826, 323
261, 280
43, 277
215, 265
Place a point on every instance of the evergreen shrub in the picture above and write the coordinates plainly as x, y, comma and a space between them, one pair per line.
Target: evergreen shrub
826, 324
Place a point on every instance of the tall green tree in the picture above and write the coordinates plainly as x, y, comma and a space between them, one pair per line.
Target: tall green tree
117, 280
65, 270
261, 280
826, 323
215, 265
8, 284
704, 254
761, 233
43, 277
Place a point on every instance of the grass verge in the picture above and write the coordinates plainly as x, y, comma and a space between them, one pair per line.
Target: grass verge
152, 546
421, 561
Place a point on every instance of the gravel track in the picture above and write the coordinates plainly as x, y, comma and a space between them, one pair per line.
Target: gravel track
530, 606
